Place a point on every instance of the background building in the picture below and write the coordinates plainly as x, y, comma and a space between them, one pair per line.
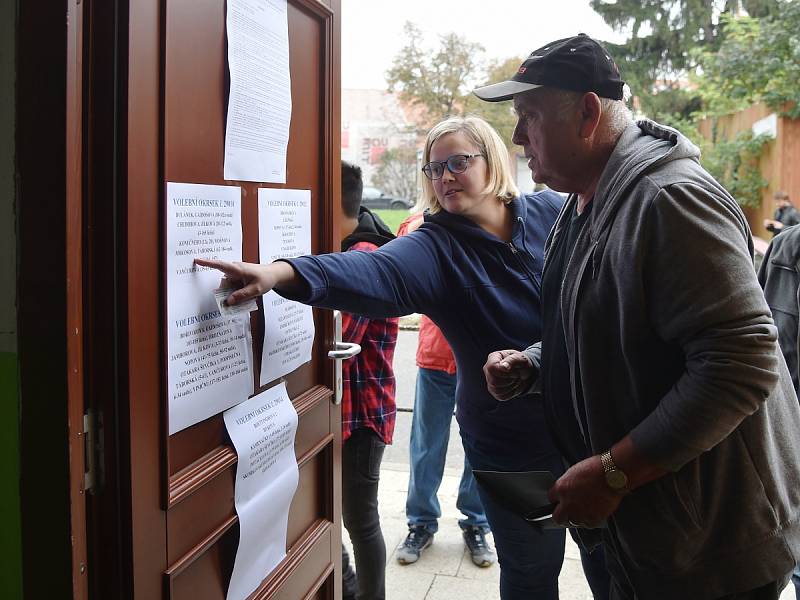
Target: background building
373, 121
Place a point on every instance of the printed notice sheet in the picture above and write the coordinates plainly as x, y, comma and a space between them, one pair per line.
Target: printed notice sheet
209, 356
262, 430
284, 231
260, 99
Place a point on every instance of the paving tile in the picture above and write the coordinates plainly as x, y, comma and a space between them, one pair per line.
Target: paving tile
572, 583
394, 532
406, 583
394, 478
456, 588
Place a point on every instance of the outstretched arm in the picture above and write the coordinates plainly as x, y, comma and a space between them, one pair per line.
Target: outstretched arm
256, 280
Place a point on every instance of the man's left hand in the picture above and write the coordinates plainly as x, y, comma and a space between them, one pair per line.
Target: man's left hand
582, 496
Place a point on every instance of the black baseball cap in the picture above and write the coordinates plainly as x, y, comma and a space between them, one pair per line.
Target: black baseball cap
578, 63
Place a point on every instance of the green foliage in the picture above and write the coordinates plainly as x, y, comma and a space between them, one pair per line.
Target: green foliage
397, 173
671, 102
392, 218
732, 60
499, 115
734, 163
441, 81
759, 61
437, 80
659, 51
671, 41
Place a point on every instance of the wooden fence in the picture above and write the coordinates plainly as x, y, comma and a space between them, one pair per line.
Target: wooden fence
779, 162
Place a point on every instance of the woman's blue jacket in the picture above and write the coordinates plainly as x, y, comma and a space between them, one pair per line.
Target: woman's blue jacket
483, 293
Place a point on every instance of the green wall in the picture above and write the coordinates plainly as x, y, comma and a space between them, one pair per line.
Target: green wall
10, 539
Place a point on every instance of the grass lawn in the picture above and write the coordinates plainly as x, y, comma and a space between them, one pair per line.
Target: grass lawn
392, 218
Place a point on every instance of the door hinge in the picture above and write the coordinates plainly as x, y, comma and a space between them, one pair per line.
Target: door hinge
94, 476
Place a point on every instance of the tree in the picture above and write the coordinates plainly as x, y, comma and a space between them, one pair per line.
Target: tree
662, 48
441, 82
397, 173
758, 61
436, 80
499, 115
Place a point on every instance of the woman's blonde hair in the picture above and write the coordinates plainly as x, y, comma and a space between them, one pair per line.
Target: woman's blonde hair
488, 143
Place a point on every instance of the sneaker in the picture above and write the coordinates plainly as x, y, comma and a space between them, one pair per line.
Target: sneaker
479, 549
416, 541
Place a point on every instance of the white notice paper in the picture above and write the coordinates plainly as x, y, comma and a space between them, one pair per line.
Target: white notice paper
262, 430
209, 356
260, 99
284, 231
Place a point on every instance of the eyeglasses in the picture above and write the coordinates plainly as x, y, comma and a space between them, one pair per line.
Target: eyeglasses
457, 163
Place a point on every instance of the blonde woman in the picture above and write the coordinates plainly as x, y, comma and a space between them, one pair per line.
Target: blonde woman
474, 267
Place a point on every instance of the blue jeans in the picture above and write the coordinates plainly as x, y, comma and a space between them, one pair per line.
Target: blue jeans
530, 559
430, 432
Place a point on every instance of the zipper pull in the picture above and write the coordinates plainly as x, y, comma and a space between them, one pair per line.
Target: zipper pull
513, 247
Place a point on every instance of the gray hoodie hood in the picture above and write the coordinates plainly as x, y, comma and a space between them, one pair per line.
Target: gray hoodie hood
644, 145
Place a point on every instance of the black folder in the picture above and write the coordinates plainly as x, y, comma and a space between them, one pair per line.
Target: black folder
522, 492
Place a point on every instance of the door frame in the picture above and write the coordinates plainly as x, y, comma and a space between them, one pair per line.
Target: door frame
48, 220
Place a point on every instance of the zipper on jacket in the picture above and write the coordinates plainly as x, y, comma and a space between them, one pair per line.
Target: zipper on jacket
521, 260
594, 259
571, 335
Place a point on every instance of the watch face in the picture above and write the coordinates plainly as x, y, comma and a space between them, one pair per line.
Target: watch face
617, 480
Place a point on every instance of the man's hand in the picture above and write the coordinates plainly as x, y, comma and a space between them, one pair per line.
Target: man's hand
772, 225
508, 373
255, 280
582, 496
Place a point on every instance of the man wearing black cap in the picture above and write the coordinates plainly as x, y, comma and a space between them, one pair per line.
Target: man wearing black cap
662, 380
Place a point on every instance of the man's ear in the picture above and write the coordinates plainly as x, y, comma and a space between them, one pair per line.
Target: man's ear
590, 113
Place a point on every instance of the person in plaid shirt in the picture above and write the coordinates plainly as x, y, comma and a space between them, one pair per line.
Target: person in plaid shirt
368, 407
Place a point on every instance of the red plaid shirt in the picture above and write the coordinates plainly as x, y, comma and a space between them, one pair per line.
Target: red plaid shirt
368, 384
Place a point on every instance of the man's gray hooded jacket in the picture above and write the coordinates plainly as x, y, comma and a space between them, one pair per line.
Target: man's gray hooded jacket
668, 331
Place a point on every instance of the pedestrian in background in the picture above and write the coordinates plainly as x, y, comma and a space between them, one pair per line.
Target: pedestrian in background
786, 214
779, 276
434, 403
368, 407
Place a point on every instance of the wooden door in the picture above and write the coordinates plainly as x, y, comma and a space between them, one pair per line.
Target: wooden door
162, 523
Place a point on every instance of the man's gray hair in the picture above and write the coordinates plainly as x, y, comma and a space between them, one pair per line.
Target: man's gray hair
617, 115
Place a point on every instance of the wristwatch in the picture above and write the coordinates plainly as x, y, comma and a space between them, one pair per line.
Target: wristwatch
616, 479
